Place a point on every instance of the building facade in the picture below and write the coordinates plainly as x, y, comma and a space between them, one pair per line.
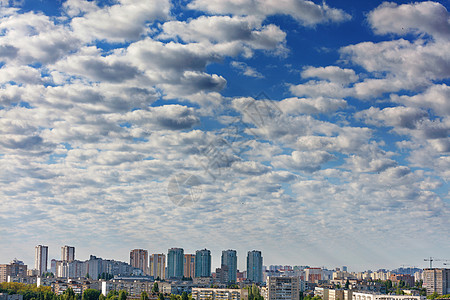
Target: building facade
158, 266
254, 266
436, 280
67, 253
139, 259
229, 259
219, 294
203, 263
41, 259
283, 288
189, 265
175, 263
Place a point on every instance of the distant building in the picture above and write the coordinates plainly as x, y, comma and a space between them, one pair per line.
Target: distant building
15, 269
254, 266
139, 259
158, 266
229, 259
67, 253
407, 279
222, 275
41, 258
203, 263
283, 288
219, 294
367, 296
175, 262
5, 296
313, 274
436, 280
189, 265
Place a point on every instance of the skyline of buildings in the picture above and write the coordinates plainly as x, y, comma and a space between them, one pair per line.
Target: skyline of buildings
277, 282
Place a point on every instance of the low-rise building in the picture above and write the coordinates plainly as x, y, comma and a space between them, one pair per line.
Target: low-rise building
219, 294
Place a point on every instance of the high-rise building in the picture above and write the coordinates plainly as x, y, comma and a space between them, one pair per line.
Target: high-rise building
229, 259
283, 288
139, 259
67, 253
203, 263
158, 266
5, 271
175, 261
254, 266
436, 280
189, 265
41, 258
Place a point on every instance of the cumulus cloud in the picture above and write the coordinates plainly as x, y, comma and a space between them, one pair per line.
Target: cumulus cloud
306, 161
305, 12
421, 17
332, 74
121, 22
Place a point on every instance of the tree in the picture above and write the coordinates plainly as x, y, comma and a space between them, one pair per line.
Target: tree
155, 288
90, 294
122, 295
112, 294
347, 284
184, 296
144, 296
101, 297
161, 296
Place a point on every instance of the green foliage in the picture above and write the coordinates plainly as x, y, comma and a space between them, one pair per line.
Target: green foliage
437, 296
91, 294
105, 276
101, 297
161, 296
112, 295
144, 296
29, 291
253, 293
155, 288
347, 284
123, 295
184, 296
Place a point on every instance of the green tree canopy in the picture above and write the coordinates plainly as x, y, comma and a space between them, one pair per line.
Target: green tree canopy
91, 294
155, 288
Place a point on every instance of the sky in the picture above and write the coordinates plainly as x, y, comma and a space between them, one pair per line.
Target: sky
316, 132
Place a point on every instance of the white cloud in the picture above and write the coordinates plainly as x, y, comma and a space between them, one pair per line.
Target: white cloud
331, 73
121, 22
305, 12
420, 17
246, 70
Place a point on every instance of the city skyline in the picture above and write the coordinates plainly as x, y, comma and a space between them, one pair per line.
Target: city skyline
316, 132
216, 260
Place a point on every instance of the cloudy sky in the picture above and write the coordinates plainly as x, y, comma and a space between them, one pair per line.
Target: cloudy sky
315, 132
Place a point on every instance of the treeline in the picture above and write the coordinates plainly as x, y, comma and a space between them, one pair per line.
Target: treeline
437, 296
31, 292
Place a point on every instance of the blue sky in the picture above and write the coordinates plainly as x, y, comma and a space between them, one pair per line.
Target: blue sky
315, 132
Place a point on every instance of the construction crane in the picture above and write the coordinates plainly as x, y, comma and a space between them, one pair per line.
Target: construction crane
431, 259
